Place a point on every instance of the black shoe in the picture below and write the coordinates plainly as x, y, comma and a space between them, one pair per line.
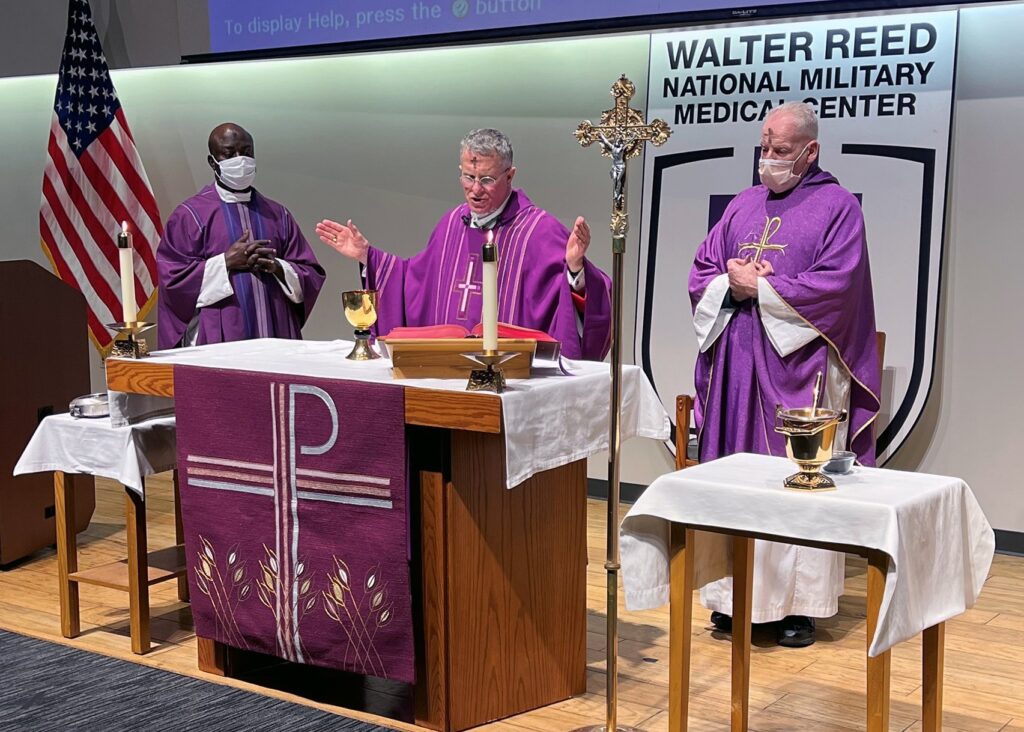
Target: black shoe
796, 631
722, 622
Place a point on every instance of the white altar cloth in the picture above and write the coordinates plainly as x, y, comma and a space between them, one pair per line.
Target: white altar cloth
94, 447
549, 420
938, 541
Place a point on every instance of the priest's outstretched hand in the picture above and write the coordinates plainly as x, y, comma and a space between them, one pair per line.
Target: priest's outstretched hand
576, 247
345, 238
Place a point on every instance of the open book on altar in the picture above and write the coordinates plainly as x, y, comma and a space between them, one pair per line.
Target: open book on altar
548, 348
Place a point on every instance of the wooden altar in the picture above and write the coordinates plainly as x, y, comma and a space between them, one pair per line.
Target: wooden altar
499, 575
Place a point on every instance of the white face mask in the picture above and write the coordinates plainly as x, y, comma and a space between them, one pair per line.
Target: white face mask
237, 173
778, 175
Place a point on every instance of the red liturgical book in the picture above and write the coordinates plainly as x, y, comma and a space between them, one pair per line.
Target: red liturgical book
547, 347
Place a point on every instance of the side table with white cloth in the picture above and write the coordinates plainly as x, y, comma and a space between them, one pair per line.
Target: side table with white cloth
68, 447
928, 545
497, 490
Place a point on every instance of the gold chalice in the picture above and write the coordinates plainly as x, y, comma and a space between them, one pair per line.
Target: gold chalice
809, 433
361, 311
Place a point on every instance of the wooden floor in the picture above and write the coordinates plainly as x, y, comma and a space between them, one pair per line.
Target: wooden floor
818, 688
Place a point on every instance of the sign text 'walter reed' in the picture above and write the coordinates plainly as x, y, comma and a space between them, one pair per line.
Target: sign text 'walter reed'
865, 71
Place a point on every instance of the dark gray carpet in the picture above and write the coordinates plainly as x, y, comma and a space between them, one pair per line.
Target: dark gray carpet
46, 686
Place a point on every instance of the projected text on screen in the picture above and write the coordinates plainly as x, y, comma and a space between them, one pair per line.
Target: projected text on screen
243, 25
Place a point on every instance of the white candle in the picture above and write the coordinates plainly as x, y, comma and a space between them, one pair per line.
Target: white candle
489, 255
129, 310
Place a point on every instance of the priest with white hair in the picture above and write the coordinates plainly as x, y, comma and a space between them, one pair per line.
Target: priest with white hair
781, 291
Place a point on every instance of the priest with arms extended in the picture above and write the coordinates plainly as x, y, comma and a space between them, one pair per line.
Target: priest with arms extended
233, 264
781, 290
545, 281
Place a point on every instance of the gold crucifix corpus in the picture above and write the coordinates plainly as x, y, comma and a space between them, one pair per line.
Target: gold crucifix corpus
621, 134
771, 225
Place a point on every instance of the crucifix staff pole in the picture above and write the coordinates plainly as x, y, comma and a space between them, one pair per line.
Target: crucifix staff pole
622, 134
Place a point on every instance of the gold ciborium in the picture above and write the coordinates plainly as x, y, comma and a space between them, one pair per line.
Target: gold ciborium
361, 311
809, 433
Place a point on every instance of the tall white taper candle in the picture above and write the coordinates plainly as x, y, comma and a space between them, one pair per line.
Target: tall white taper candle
489, 255
129, 310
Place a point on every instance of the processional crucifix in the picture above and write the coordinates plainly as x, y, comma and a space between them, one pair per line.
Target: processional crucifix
622, 134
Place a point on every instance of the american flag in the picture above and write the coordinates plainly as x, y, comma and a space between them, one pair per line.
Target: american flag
93, 181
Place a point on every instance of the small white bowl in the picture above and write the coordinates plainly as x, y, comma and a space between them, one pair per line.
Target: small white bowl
841, 462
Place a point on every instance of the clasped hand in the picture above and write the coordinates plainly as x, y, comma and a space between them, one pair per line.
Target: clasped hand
743, 274
251, 255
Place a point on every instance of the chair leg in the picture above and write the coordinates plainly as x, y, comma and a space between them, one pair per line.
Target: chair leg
67, 553
138, 571
684, 405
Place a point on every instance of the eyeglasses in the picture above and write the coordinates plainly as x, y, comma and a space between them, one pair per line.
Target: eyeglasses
485, 180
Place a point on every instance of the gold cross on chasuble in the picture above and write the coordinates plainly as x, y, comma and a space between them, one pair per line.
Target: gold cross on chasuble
771, 226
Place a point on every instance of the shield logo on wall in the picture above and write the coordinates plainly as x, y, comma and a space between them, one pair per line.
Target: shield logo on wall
884, 120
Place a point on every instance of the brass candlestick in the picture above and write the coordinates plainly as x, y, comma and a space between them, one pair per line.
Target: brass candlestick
127, 343
491, 378
361, 311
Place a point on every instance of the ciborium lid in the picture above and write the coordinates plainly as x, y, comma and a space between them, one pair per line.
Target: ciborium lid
806, 420
809, 414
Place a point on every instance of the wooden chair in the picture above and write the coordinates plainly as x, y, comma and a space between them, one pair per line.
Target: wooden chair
686, 449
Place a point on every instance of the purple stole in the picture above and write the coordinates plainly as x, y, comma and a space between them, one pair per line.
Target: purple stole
249, 287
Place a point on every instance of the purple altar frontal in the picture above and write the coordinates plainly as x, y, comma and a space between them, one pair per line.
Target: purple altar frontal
294, 500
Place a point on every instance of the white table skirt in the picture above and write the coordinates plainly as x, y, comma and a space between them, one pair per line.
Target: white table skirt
94, 447
939, 543
549, 420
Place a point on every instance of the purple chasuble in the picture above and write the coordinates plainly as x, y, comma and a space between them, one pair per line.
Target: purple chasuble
205, 226
821, 268
444, 282
294, 504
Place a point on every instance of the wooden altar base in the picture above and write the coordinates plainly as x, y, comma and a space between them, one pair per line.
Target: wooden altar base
499, 584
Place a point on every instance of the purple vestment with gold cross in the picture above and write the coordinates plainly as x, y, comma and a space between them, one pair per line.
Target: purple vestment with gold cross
813, 236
